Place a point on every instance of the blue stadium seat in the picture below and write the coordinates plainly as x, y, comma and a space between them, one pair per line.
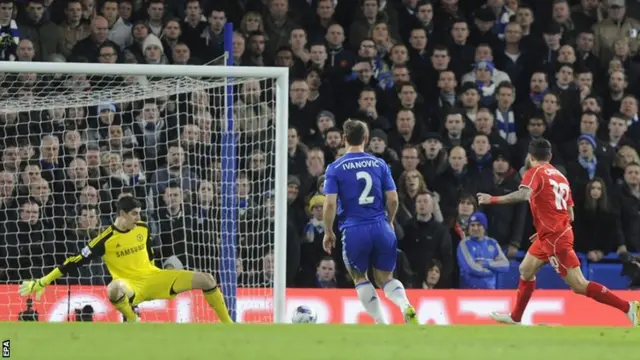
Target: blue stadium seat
608, 275
548, 278
509, 280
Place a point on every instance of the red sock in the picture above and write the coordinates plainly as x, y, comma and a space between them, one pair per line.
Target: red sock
601, 294
525, 290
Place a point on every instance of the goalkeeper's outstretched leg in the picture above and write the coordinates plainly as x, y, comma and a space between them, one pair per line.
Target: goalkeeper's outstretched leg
210, 290
121, 296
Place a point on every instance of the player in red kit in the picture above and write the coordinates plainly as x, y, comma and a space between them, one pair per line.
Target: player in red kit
549, 196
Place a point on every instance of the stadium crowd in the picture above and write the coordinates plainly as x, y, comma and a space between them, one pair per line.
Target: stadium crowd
453, 91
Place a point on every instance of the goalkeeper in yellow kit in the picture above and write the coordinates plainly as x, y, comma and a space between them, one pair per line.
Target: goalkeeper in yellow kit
125, 248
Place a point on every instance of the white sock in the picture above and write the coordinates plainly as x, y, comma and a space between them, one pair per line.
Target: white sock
369, 299
394, 291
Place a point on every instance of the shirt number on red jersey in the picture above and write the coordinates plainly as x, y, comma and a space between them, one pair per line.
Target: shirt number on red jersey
554, 262
561, 192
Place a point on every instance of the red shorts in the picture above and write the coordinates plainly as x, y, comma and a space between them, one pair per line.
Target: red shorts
557, 249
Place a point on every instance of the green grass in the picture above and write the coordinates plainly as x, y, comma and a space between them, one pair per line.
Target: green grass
96, 341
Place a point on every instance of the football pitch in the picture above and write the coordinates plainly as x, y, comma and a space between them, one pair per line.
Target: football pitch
149, 341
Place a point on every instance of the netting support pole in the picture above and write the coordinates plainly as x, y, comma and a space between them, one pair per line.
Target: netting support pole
228, 276
280, 233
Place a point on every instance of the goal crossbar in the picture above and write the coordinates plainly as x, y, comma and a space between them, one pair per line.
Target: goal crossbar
186, 78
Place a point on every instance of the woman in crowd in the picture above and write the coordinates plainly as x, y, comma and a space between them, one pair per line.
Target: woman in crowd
598, 230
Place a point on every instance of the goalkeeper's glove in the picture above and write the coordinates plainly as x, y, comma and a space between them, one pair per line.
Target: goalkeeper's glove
29, 287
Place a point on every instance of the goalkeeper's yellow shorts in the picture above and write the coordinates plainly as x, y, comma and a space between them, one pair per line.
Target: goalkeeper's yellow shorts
165, 284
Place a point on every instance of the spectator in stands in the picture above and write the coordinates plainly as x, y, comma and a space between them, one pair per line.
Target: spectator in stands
119, 31
251, 113
277, 25
89, 47
340, 60
42, 32
87, 226
155, 16
193, 25
326, 273
629, 205
212, 45
88, 10
311, 241
10, 34
139, 32
506, 222
171, 36
598, 226
174, 170
427, 240
251, 21
40, 193
7, 186
626, 155
378, 147
181, 55
364, 21
410, 184
25, 51
151, 128
608, 31
10, 159
153, 51
298, 43
125, 11
433, 271
172, 223
30, 245
301, 110
586, 167
315, 167
30, 171
480, 257
505, 118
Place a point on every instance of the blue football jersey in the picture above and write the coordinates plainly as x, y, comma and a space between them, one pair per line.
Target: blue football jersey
360, 180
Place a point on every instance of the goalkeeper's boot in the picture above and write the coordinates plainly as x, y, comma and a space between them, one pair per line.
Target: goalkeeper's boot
410, 315
136, 311
503, 318
634, 313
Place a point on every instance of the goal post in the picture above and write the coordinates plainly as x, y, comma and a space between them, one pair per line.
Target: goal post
180, 82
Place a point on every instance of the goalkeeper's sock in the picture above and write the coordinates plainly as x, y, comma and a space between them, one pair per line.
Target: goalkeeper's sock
216, 301
369, 299
394, 291
125, 309
602, 295
525, 290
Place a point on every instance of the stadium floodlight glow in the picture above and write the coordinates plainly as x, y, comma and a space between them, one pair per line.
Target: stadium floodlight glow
225, 119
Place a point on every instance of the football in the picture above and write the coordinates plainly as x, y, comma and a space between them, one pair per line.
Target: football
304, 315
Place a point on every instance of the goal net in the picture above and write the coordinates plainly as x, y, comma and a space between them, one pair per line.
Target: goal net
198, 150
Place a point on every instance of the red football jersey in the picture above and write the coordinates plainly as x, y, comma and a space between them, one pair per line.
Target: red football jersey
550, 200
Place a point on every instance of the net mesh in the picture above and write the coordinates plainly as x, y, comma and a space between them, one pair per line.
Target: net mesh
74, 144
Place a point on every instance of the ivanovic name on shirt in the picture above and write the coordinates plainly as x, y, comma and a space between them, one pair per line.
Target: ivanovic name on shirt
361, 164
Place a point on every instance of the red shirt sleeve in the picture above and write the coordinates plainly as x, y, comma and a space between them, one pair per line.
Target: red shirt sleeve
531, 179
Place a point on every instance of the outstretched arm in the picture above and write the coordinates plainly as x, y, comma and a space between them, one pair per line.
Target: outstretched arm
94, 249
520, 195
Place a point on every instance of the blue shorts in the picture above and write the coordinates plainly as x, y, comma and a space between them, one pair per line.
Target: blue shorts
370, 244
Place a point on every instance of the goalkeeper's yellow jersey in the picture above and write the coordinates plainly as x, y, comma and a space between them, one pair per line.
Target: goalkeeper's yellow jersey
127, 254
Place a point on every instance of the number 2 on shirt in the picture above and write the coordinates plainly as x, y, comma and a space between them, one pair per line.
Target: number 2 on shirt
365, 198
561, 191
